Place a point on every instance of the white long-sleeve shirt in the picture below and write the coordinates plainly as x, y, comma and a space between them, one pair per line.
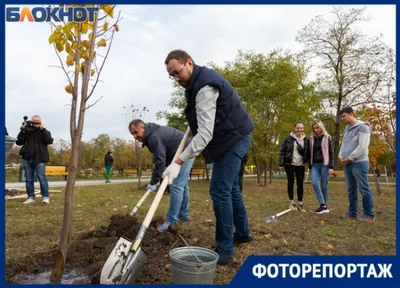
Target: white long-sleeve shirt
206, 108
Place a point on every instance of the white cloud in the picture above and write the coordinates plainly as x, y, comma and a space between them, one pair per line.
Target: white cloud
135, 72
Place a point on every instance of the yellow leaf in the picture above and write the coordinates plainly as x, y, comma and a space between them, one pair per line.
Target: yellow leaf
116, 27
85, 43
51, 39
74, 45
84, 27
91, 74
109, 9
58, 28
57, 35
70, 62
115, 209
60, 47
69, 89
90, 36
70, 57
284, 241
102, 43
105, 26
92, 228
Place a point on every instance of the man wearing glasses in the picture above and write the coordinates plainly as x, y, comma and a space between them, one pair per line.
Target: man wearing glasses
222, 133
34, 138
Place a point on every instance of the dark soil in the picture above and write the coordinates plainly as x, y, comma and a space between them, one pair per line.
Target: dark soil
91, 250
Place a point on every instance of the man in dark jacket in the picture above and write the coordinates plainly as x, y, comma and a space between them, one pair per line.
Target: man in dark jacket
35, 138
222, 133
108, 163
162, 142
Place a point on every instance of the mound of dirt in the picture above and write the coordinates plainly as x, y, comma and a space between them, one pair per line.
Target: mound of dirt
91, 250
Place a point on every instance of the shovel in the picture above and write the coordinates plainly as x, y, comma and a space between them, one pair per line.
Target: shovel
127, 259
275, 218
140, 202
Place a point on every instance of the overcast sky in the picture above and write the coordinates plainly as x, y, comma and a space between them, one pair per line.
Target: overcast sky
135, 71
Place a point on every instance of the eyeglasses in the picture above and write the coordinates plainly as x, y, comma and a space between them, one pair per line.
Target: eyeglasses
175, 73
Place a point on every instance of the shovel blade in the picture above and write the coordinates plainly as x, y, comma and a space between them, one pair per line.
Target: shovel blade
271, 219
112, 269
133, 267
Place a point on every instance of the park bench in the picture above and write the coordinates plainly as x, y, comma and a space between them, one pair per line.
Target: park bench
57, 171
338, 173
129, 171
198, 172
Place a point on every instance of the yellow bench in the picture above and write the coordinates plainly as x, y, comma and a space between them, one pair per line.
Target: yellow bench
338, 173
129, 171
57, 171
198, 172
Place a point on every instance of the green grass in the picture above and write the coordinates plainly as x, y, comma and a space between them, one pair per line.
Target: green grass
35, 228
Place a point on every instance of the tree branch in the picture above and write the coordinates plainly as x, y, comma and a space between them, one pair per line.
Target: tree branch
93, 104
101, 67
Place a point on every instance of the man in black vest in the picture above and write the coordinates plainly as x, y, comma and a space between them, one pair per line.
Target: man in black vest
221, 130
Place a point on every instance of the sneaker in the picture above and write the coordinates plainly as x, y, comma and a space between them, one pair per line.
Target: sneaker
292, 206
348, 216
29, 200
301, 208
322, 209
238, 241
368, 219
164, 227
46, 200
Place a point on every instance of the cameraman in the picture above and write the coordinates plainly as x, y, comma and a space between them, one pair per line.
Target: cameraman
34, 139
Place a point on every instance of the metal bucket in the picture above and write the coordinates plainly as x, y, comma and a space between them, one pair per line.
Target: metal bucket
9, 144
185, 268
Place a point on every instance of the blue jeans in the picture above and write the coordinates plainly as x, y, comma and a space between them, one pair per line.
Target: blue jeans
227, 199
40, 169
320, 178
179, 195
356, 175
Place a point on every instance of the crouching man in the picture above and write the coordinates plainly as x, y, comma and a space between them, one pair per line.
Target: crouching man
162, 142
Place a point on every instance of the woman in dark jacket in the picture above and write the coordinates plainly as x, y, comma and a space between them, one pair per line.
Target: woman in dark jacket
292, 156
108, 163
321, 164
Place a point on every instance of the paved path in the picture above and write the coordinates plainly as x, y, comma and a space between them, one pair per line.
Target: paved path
145, 180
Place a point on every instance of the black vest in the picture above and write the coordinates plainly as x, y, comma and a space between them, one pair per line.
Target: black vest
232, 122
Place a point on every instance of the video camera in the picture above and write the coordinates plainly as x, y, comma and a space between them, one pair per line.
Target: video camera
28, 125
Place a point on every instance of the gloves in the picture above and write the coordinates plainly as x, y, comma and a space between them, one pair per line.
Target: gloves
172, 172
153, 188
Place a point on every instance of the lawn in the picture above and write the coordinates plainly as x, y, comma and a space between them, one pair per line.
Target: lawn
32, 232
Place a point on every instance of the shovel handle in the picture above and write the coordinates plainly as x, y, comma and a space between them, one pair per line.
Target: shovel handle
158, 197
136, 208
283, 212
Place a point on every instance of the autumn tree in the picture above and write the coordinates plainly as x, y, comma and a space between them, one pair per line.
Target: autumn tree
82, 49
350, 62
132, 112
275, 92
175, 115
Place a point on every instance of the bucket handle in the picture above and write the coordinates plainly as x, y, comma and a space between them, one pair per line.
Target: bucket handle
200, 263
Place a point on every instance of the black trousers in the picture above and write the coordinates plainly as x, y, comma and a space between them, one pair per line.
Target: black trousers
291, 172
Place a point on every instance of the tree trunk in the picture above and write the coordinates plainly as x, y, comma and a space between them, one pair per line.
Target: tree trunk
378, 187
265, 173
61, 257
270, 169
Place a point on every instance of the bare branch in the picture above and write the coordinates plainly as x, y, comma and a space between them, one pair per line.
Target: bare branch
93, 104
101, 67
